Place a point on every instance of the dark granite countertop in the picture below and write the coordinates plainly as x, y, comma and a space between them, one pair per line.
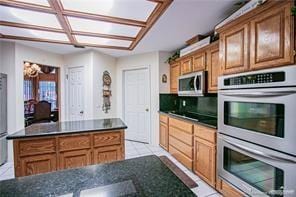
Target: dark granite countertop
199, 119
68, 127
143, 176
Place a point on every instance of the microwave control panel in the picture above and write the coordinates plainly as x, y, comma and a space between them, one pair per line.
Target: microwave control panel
255, 79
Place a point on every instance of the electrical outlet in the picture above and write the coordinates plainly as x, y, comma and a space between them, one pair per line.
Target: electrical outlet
184, 103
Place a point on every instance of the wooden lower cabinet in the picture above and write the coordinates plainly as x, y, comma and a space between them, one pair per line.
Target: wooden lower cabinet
164, 135
47, 154
227, 190
36, 164
74, 159
107, 154
204, 164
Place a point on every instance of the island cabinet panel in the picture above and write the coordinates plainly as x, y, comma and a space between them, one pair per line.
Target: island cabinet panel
186, 65
107, 154
74, 159
227, 190
234, 50
37, 164
174, 75
271, 38
213, 68
46, 154
199, 61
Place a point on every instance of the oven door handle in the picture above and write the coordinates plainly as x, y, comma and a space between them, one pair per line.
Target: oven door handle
258, 94
259, 153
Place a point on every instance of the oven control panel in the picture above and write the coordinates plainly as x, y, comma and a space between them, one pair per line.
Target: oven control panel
255, 79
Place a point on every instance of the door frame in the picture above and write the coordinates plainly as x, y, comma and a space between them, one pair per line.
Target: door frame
67, 99
149, 88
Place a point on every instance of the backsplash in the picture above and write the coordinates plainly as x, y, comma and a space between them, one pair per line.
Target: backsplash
206, 105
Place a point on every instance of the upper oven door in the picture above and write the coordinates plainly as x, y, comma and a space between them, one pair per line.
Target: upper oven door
262, 116
256, 170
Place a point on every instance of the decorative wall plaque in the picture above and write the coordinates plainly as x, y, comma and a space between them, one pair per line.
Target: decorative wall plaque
106, 91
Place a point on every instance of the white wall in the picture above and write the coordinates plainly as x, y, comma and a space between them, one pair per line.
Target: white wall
134, 62
164, 68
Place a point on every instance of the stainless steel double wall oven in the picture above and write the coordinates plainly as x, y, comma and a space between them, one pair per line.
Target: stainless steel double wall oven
257, 131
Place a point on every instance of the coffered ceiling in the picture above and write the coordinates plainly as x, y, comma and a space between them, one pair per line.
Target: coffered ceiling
114, 24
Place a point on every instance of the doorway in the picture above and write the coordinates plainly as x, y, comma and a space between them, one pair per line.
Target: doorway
136, 109
75, 89
41, 93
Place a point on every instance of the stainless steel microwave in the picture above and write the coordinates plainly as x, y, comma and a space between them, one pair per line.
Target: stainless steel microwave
192, 84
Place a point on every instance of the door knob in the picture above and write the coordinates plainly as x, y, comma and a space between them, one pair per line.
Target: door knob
147, 109
81, 112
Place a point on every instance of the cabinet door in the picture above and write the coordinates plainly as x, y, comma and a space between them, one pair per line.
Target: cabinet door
175, 73
213, 69
199, 62
163, 135
108, 154
227, 190
204, 163
37, 164
234, 45
271, 39
186, 66
75, 159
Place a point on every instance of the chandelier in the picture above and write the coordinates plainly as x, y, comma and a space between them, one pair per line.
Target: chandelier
31, 70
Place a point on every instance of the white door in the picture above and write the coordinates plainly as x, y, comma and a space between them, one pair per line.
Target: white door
137, 104
75, 93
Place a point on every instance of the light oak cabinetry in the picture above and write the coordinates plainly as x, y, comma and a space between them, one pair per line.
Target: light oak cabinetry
262, 38
234, 49
204, 163
226, 189
174, 75
181, 141
199, 61
186, 65
46, 154
213, 68
164, 131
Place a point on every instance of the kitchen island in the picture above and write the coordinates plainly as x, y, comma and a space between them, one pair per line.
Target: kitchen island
144, 176
47, 147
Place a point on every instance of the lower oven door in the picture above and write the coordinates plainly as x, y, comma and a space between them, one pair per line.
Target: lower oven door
263, 116
255, 170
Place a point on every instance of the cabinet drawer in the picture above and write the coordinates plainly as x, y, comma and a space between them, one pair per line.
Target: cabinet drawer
184, 148
205, 133
182, 136
163, 118
181, 157
107, 139
35, 147
74, 142
182, 125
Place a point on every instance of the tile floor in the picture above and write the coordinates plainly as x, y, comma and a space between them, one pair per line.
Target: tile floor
133, 150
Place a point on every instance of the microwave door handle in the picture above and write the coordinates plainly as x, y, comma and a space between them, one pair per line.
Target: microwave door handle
259, 153
258, 94
195, 86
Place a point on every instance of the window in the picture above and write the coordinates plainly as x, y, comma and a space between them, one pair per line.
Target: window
47, 92
28, 89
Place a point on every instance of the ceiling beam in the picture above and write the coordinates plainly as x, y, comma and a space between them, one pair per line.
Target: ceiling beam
2, 36
27, 6
55, 4
35, 27
157, 12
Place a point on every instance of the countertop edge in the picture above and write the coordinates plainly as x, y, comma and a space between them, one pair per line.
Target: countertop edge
189, 119
63, 133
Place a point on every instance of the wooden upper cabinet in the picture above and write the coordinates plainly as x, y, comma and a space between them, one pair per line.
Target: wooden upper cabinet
213, 68
199, 61
234, 50
271, 38
174, 75
186, 65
